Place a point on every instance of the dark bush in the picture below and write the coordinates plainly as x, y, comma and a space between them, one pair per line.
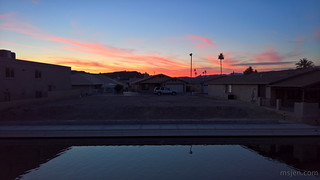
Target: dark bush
118, 88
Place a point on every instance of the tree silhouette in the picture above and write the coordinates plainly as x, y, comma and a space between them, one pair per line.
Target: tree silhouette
249, 70
304, 64
118, 88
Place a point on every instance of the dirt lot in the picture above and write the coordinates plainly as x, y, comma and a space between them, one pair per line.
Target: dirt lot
136, 108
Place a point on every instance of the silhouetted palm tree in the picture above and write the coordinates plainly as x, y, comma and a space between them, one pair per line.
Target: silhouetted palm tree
249, 70
304, 64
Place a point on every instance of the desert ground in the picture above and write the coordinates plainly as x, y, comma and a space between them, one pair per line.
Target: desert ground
144, 108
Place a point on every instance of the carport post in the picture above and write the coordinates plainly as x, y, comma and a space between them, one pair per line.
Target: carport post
303, 95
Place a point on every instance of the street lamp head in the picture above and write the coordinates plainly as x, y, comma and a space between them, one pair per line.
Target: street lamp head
221, 56
190, 54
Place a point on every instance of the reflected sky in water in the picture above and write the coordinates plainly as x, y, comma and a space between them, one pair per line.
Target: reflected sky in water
161, 162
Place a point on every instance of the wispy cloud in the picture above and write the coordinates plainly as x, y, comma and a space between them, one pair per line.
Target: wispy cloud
10, 23
263, 63
3, 16
202, 42
23, 45
74, 61
35, 2
270, 54
269, 59
109, 53
200, 46
201, 38
316, 34
298, 39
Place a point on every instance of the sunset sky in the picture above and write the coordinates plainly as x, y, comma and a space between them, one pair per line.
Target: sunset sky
157, 36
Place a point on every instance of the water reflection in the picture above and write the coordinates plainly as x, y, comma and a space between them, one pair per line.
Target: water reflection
304, 157
18, 157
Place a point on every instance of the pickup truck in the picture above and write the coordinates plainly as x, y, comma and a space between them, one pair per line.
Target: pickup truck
163, 90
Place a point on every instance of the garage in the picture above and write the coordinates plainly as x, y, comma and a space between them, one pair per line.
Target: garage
176, 87
175, 84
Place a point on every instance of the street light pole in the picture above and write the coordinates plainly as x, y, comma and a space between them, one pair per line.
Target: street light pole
221, 57
191, 65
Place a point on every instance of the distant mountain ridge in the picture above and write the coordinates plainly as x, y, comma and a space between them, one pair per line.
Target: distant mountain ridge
125, 75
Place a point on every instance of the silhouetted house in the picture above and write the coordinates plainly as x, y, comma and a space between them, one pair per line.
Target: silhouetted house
301, 92
108, 84
198, 84
300, 88
20, 79
86, 83
251, 87
149, 83
89, 84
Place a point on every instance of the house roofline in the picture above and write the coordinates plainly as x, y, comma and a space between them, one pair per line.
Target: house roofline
34, 62
171, 78
147, 78
294, 76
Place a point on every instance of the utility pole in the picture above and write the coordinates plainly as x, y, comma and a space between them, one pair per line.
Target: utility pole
221, 57
191, 65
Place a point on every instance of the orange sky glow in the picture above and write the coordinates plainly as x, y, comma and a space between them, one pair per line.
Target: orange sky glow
149, 46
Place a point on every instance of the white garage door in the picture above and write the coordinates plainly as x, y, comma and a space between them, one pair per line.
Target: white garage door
177, 87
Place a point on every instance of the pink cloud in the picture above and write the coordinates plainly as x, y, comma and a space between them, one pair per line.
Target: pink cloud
3, 16
201, 38
158, 61
268, 55
23, 45
110, 53
298, 39
9, 23
35, 2
91, 47
269, 58
316, 34
200, 46
69, 62
271, 55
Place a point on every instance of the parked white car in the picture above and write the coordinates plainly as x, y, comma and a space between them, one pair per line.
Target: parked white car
163, 90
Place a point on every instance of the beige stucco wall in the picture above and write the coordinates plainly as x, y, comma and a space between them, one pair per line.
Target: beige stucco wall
217, 91
244, 92
241, 92
24, 84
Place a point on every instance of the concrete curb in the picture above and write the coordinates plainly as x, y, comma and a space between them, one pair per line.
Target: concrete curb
158, 130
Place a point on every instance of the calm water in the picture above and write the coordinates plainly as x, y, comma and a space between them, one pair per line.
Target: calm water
159, 159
